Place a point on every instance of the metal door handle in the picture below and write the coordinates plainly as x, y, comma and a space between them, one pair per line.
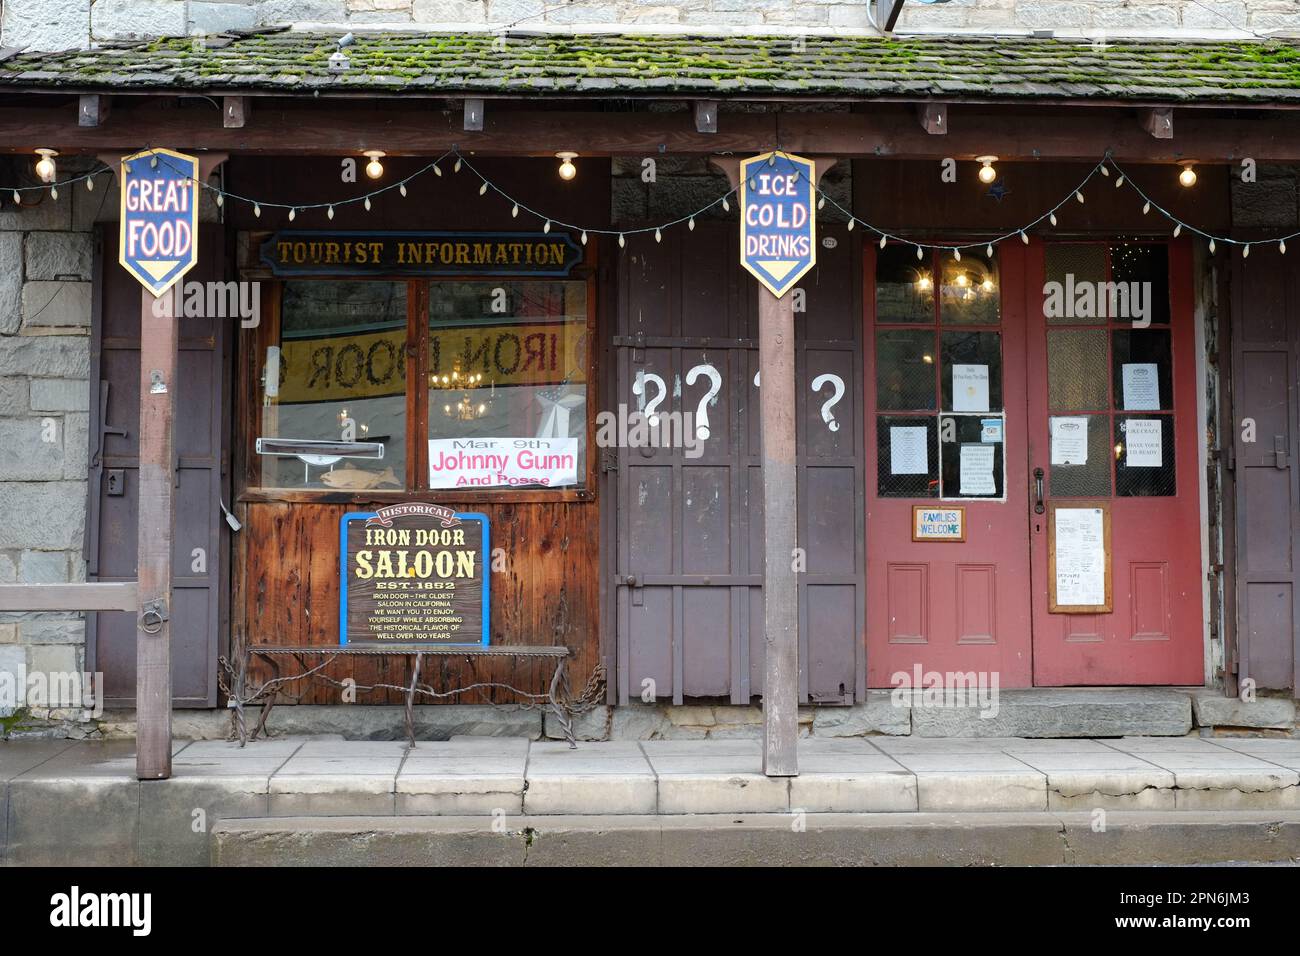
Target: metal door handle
1038, 491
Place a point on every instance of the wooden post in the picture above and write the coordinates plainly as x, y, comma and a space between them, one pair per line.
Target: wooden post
153, 681
780, 508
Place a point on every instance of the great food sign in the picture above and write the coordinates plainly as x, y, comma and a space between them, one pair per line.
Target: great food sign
160, 217
778, 219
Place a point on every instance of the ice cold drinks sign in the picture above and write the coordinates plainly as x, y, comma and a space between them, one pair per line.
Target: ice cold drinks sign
158, 242
414, 574
777, 219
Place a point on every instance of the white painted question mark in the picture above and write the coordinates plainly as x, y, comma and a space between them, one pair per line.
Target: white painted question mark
817, 384
702, 410
638, 389
756, 375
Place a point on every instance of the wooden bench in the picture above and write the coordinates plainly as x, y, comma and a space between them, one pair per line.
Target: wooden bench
558, 694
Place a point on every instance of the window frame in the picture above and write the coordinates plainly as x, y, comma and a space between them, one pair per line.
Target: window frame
250, 412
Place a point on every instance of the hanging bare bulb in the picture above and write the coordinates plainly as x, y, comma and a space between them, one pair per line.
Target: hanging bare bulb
1187, 178
567, 169
374, 168
987, 173
45, 168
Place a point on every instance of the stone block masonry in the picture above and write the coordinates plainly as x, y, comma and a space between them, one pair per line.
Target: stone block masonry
45, 311
71, 24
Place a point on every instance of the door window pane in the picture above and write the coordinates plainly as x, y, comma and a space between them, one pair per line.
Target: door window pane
969, 293
342, 378
1068, 266
1070, 476
907, 459
1142, 370
1076, 370
1144, 456
1148, 266
904, 286
972, 464
507, 384
971, 362
905, 370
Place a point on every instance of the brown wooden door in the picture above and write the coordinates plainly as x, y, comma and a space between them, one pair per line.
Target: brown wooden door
1265, 368
199, 570
688, 568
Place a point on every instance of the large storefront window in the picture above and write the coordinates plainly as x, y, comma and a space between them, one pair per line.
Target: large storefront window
423, 384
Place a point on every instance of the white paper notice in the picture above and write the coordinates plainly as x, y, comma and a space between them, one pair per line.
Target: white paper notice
908, 454
970, 388
502, 462
1143, 447
1080, 557
1141, 387
1070, 441
977, 470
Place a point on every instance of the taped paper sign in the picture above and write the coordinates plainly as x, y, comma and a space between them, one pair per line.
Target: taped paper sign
908, 451
970, 388
503, 462
1143, 443
1069, 440
1141, 387
976, 471
1080, 557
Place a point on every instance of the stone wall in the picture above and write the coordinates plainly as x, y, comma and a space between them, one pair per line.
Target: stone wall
63, 24
46, 256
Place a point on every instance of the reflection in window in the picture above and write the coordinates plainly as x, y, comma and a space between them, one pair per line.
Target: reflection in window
904, 287
507, 384
969, 291
342, 378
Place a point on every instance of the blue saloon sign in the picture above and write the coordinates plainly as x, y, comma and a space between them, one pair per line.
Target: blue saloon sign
159, 240
778, 219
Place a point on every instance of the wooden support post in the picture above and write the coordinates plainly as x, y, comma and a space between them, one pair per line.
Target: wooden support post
780, 507
153, 681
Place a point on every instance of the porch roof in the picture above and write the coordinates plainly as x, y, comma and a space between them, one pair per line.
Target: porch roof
393, 63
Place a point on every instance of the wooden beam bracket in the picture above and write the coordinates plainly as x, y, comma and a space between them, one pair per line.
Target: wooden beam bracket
706, 116
474, 115
1158, 121
93, 109
933, 117
234, 111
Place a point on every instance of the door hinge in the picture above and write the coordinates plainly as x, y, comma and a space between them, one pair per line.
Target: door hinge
1279, 452
609, 459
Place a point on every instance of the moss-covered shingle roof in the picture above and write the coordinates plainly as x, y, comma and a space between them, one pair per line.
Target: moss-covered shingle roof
855, 66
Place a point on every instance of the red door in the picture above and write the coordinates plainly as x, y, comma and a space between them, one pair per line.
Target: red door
1112, 391
946, 394
1007, 393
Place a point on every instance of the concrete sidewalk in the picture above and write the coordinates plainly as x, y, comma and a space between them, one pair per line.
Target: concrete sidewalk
79, 802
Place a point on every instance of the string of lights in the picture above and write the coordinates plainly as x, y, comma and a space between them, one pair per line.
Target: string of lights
46, 170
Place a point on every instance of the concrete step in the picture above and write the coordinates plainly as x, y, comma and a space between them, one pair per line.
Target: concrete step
871, 839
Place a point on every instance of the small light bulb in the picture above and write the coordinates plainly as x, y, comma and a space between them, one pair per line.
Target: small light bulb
330, 212
514, 211
45, 168
883, 239
1078, 194
988, 251
437, 170
1051, 217
987, 285
17, 198
987, 173
367, 204
1245, 250
726, 206
1023, 237
584, 237
547, 227
920, 254
1177, 230
90, 185
257, 210
1119, 182
957, 254
456, 167
690, 224
483, 189
821, 202
293, 214
1281, 247
402, 189
374, 168
1104, 170
621, 241
54, 192
1211, 245
1187, 178
659, 236
1146, 208
567, 169
221, 200
852, 223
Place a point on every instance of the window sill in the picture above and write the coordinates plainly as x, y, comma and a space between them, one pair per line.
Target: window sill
442, 497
